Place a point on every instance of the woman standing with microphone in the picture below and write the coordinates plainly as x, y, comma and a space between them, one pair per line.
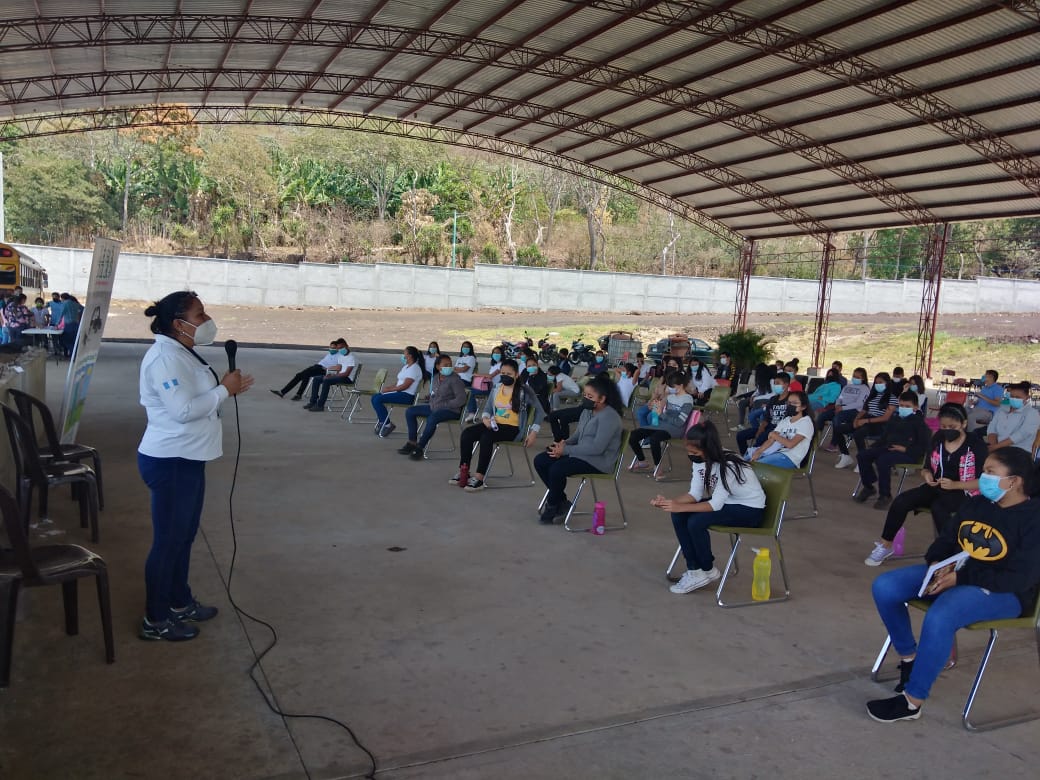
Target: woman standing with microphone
182, 395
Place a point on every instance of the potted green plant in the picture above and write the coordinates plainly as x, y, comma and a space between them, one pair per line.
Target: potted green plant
746, 348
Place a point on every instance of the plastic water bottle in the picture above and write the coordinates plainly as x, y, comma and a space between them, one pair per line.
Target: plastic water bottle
655, 419
763, 567
599, 518
494, 424
463, 475
899, 543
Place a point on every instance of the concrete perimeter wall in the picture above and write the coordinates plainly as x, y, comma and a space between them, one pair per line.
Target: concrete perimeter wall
388, 285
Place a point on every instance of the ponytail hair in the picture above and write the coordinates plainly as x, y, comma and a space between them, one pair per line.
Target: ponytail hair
173, 307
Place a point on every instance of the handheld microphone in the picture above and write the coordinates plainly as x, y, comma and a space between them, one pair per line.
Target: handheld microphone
231, 347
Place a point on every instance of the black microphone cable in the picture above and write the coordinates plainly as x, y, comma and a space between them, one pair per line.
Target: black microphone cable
259, 657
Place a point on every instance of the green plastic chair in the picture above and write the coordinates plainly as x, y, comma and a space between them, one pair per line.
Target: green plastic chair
1031, 622
716, 402
449, 426
353, 402
776, 483
508, 447
341, 393
592, 479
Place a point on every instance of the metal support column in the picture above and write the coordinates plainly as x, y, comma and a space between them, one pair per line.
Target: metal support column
747, 263
823, 303
931, 278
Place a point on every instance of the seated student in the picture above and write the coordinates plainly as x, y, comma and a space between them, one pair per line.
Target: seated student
591, 450
626, 378
656, 398
475, 395
599, 365
791, 369
877, 410
564, 363
951, 471
755, 398
916, 383
724, 368
536, 379
563, 388
401, 392
1016, 424
988, 401
447, 397
320, 368
466, 363
504, 418
837, 366
672, 416
903, 440
775, 411
898, 380
824, 396
850, 402
987, 587
723, 491
788, 443
340, 374
646, 370
701, 381
433, 352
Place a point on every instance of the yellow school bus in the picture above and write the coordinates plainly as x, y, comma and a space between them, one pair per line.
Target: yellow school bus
19, 270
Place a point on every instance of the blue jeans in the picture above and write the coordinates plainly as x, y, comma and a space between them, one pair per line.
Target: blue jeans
178, 488
952, 609
778, 459
379, 399
554, 473
691, 529
643, 416
433, 419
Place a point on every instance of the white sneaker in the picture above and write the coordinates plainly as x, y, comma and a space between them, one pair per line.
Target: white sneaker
844, 462
878, 555
856, 470
694, 579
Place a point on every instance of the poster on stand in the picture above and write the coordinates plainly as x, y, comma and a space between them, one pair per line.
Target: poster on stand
88, 338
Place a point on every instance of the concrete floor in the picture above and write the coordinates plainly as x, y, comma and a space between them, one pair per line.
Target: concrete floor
489, 647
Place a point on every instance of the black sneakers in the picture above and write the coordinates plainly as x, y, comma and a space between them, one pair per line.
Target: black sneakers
865, 492
170, 630
891, 710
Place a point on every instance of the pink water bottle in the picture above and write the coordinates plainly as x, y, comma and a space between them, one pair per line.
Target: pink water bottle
599, 518
899, 543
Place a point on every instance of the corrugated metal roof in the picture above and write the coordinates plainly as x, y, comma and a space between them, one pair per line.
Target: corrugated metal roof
837, 115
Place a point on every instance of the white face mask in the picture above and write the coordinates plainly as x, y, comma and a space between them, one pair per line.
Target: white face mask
205, 334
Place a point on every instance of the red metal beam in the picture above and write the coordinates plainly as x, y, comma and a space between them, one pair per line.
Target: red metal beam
823, 304
744, 268
932, 284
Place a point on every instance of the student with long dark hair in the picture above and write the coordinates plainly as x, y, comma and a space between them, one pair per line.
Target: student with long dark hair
592, 449
411, 375
1000, 532
787, 445
503, 419
723, 491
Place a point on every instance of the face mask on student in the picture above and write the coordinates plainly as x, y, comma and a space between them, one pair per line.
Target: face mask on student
532, 370
508, 380
856, 380
1016, 403
344, 351
588, 403
904, 411
792, 411
599, 358
333, 351
777, 389
989, 486
465, 350
447, 371
673, 391
431, 352
950, 434
495, 357
403, 360
205, 334
880, 386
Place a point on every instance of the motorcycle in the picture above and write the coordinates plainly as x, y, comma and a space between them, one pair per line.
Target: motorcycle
547, 350
582, 352
515, 349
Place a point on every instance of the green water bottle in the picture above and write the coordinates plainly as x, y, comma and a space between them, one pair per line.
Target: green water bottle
762, 567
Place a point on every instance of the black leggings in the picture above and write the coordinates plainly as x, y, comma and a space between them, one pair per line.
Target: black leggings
560, 422
656, 437
943, 504
487, 438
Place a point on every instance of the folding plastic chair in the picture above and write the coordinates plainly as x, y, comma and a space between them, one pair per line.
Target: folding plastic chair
716, 402
449, 426
508, 447
592, 479
391, 405
356, 395
341, 392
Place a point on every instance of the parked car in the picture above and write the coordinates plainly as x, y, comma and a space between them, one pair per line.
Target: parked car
681, 345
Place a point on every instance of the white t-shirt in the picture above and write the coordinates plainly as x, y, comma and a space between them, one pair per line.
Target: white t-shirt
431, 362
789, 428
470, 363
328, 361
625, 386
344, 362
413, 372
182, 399
704, 384
568, 384
853, 397
644, 370
748, 494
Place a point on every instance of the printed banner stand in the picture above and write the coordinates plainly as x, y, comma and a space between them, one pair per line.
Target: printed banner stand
88, 339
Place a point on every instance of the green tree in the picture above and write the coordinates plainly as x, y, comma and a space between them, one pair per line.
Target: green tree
52, 199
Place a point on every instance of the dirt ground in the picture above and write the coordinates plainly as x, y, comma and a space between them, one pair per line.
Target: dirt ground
398, 327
